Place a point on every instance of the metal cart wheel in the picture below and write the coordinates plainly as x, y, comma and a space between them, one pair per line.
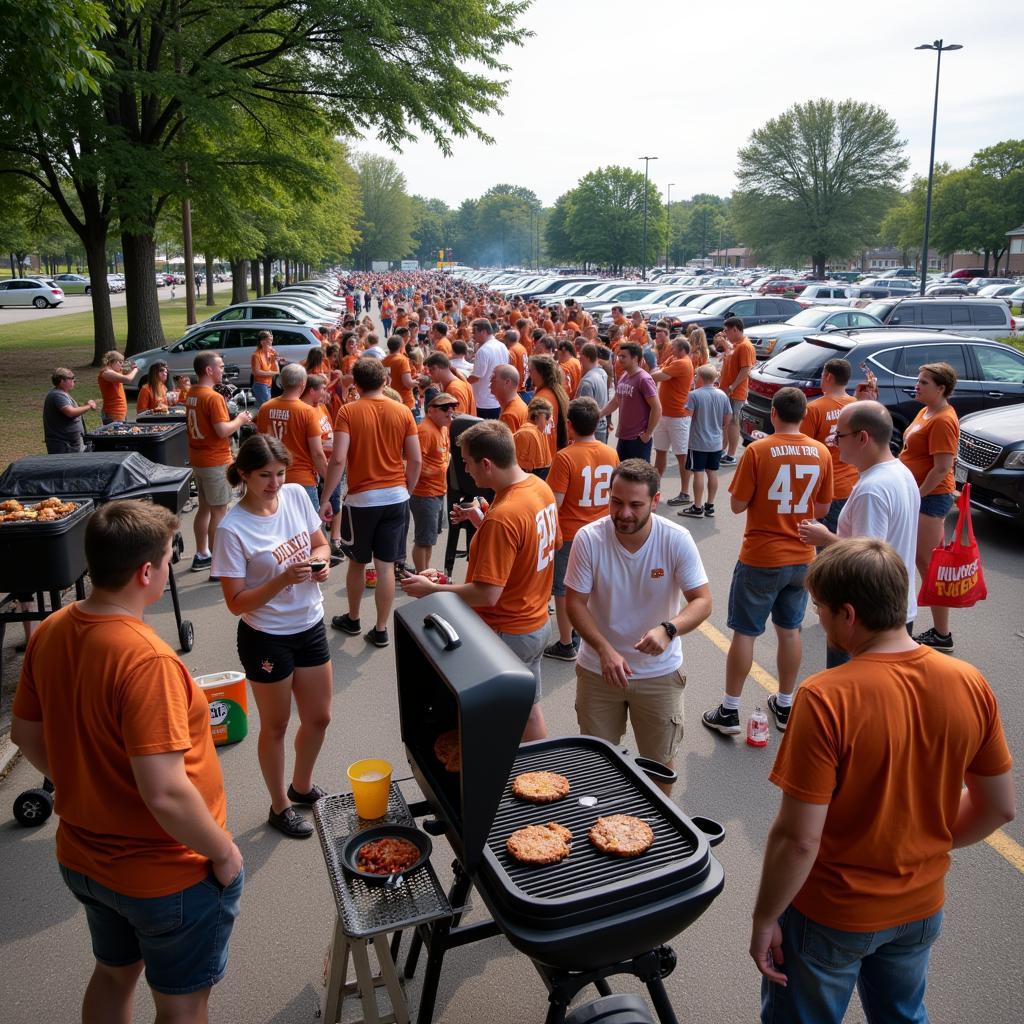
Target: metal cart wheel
186, 635
33, 807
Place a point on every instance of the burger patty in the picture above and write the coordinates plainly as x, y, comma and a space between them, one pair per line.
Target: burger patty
540, 787
540, 844
622, 835
447, 750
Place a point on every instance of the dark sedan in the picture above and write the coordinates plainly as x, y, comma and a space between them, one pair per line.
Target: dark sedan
991, 459
753, 310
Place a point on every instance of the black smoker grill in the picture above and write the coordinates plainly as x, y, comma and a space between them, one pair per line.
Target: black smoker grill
460, 488
163, 443
590, 916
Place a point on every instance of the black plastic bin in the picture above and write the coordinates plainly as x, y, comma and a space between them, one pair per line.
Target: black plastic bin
176, 414
38, 556
163, 443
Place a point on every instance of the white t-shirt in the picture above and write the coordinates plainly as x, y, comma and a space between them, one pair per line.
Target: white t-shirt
257, 548
884, 503
490, 354
631, 592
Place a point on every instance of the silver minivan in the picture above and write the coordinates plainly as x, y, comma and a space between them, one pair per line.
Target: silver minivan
968, 316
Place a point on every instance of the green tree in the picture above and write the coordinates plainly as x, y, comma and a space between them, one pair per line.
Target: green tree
388, 220
559, 244
816, 181
433, 231
506, 223
467, 242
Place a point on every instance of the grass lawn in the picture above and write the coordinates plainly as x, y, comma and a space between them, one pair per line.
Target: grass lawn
30, 351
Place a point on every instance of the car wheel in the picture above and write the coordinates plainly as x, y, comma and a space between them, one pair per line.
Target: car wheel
40, 302
88, 289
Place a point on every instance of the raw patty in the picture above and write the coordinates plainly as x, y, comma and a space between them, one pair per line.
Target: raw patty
446, 750
622, 835
540, 844
540, 787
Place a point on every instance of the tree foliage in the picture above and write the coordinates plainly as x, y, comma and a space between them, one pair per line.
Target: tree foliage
388, 218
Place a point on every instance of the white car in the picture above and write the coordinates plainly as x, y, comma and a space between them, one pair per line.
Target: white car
30, 291
115, 282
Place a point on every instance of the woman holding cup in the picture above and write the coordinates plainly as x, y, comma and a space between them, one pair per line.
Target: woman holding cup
270, 554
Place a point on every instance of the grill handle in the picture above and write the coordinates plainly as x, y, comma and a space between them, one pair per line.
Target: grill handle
655, 770
714, 830
445, 628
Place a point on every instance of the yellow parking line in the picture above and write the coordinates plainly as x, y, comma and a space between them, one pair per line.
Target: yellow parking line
1009, 849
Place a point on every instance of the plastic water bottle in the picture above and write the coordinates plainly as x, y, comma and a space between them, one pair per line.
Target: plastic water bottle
757, 729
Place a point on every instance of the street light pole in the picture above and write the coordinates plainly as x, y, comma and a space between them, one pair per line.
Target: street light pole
647, 163
668, 228
938, 47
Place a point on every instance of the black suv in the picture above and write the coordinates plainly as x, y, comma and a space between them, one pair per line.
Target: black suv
990, 374
991, 458
753, 310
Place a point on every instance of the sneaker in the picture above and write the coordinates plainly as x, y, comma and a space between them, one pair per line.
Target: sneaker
305, 799
709, 510
722, 720
728, 460
695, 511
937, 641
560, 651
291, 823
679, 499
371, 578
201, 562
346, 624
781, 714
336, 549
336, 560
377, 637
214, 579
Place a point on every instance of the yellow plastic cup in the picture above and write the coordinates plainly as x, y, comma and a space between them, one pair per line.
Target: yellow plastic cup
371, 785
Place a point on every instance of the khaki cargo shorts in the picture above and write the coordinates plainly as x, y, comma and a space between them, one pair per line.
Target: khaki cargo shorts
212, 484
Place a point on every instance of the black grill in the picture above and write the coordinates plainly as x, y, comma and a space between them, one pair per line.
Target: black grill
976, 453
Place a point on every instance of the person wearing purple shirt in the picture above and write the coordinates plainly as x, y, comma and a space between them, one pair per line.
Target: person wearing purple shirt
636, 398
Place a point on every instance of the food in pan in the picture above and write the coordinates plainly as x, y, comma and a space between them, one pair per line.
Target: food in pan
540, 787
47, 511
540, 844
622, 835
10, 506
448, 751
387, 856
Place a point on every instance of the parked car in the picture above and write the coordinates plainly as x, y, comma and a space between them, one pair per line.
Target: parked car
771, 339
779, 286
30, 291
990, 375
900, 272
977, 318
753, 310
876, 289
991, 460
115, 282
1001, 291
829, 293
975, 286
946, 288
236, 344
968, 272
1015, 298
262, 309
73, 284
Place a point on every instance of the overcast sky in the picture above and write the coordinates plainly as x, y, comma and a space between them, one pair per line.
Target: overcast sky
608, 81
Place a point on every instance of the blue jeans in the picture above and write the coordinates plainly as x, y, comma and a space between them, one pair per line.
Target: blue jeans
822, 965
633, 448
261, 392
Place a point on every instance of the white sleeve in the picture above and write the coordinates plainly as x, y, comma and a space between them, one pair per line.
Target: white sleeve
867, 515
688, 567
228, 554
579, 574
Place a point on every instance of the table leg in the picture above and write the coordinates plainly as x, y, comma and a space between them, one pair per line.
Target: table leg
387, 971
337, 969
367, 991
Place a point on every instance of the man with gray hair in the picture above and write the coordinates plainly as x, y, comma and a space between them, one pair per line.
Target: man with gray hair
297, 426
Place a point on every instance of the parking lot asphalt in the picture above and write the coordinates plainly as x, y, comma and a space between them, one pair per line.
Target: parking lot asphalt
278, 948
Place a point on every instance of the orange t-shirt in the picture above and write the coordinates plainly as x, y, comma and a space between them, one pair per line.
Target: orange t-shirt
743, 355
664, 354
515, 549
264, 366
183, 392
638, 334
673, 393
398, 365
893, 788
293, 423
444, 346
820, 423
377, 429
203, 408
463, 392
532, 450
583, 473
148, 402
782, 477
115, 405
513, 415
573, 372
518, 358
552, 433
401, 320
387, 310
325, 416
926, 438
434, 447
106, 688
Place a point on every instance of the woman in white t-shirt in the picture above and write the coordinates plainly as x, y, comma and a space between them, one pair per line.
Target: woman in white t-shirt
271, 555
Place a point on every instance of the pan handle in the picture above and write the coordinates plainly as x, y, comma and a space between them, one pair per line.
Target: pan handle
445, 628
655, 770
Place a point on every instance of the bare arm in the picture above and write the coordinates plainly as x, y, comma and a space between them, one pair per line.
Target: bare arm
987, 802
691, 615
413, 460
71, 411
476, 595
614, 667
316, 452
741, 376
941, 465
335, 471
655, 406
241, 599
613, 404
30, 739
227, 428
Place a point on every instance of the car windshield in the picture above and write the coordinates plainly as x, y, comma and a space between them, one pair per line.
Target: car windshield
809, 317
806, 359
879, 309
719, 304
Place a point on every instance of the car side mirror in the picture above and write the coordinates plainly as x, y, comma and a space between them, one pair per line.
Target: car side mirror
830, 327
894, 320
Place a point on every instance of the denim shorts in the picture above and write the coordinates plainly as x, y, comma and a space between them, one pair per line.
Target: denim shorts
182, 938
427, 518
756, 593
936, 505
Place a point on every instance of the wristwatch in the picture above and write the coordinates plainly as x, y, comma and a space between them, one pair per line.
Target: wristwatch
670, 629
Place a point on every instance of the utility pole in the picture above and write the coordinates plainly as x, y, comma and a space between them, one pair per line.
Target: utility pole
668, 226
647, 163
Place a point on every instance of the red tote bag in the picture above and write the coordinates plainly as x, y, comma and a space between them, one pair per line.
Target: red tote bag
955, 579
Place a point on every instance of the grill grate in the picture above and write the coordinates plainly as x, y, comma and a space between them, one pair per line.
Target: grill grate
591, 772
975, 452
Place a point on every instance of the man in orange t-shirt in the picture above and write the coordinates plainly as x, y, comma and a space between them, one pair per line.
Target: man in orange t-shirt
376, 440
400, 370
426, 504
517, 354
209, 451
441, 376
533, 453
740, 359
438, 338
580, 477
505, 388
108, 712
570, 366
674, 378
637, 330
297, 426
891, 762
781, 481
511, 556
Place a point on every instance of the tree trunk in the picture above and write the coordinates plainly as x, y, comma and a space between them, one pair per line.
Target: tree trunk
257, 283
96, 270
209, 281
819, 267
268, 285
142, 301
288, 272
239, 280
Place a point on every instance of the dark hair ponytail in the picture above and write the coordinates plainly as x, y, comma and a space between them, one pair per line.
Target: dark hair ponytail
255, 453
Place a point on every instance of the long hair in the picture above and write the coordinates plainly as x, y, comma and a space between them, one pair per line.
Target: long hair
550, 378
156, 385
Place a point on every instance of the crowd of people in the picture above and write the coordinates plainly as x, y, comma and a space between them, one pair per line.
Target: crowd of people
560, 522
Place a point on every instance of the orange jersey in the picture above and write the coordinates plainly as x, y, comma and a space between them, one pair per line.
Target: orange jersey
513, 415
435, 449
573, 372
203, 408
463, 393
515, 549
820, 423
741, 357
444, 346
398, 366
518, 358
377, 428
264, 366
293, 423
782, 477
552, 433
672, 393
639, 334
532, 450
115, 405
325, 414
583, 473
925, 438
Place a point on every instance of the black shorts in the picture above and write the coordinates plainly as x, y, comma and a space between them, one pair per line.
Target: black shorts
378, 532
271, 657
